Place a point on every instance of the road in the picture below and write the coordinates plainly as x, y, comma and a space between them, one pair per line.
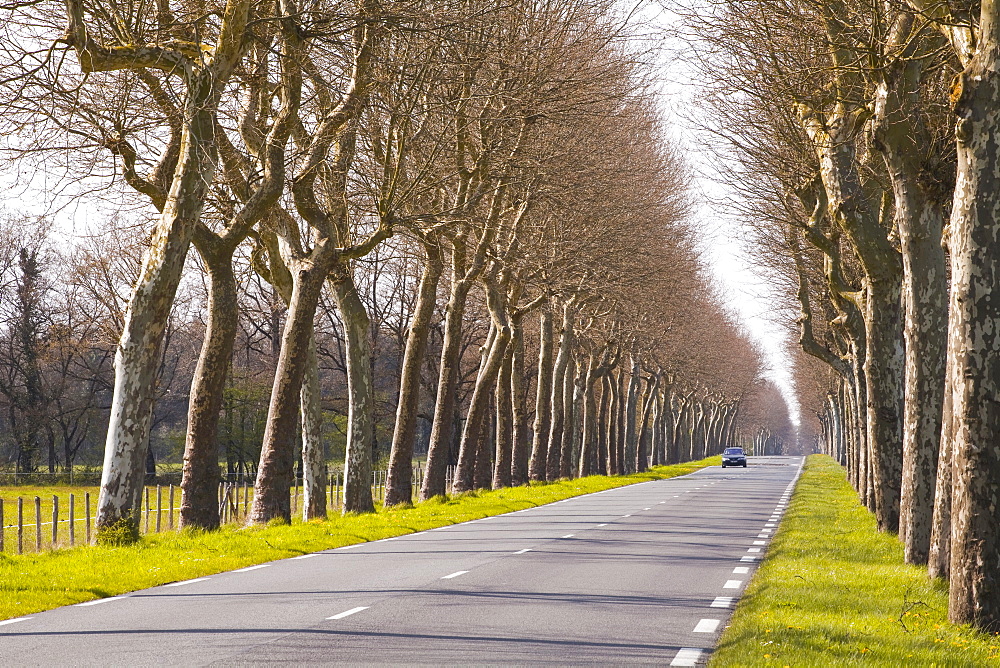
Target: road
640, 574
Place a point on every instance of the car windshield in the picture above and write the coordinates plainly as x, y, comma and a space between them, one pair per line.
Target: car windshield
733, 451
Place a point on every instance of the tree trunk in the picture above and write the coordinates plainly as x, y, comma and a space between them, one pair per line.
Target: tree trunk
631, 415
557, 421
398, 488
902, 138
137, 357
201, 474
444, 408
641, 453
478, 407
521, 447
939, 555
277, 455
360, 393
974, 369
543, 399
505, 422
602, 424
570, 432
313, 453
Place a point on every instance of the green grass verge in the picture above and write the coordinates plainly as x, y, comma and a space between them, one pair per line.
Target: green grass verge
34, 582
832, 591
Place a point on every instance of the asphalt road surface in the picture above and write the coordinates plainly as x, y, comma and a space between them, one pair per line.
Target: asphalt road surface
642, 574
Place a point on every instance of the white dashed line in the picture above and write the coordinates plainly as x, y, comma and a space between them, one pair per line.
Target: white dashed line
569, 535
647, 508
185, 582
753, 550
741, 570
626, 516
527, 549
98, 601
722, 602
706, 626
602, 525
454, 575
748, 558
733, 584
348, 613
250, 568
687, 656
760, 542
14, 621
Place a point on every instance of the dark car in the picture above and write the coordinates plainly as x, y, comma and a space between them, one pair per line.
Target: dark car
734, 457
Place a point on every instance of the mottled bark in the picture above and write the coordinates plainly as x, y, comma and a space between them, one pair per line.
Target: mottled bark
974, 368
522, 443
902, 137
478, 407
313, 452
631, 416
570, 424
399, 485
503, 457
557, 420
201, 473
360, 393
277, 456
939, 555
641, 454
543, 399
444, 407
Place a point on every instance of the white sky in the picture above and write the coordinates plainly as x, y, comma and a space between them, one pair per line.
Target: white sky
745, 292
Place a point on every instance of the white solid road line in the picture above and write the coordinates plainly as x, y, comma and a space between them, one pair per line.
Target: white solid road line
98, 601
722, 602
250, 568
741, 570
306, 556
185, 582
687, 656
351, 547
733, 584
14, 621
527, 549
454, 575
707, 626
348, 613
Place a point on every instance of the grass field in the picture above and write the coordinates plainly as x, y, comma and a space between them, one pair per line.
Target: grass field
34, 582
832, 591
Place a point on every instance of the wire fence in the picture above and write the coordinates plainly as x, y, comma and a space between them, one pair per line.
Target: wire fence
34, 524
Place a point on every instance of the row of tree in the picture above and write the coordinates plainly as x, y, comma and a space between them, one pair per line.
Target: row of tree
864, 138
375, 174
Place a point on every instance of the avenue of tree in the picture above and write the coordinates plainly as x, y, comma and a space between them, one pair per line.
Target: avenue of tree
420, 227
864, 140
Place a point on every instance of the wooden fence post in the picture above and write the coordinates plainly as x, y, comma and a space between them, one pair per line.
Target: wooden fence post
170, 514
159, 507
1, 526
38, 524
86, 499
72, 520
55, 521
20, 525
